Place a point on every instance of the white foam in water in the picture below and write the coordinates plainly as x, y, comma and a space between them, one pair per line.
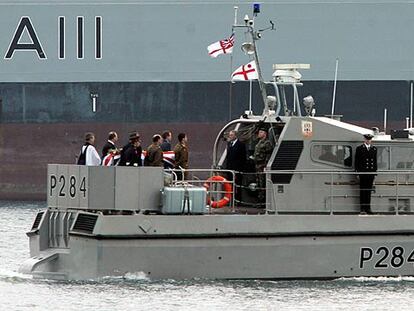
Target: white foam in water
379, 279
136, 276
130, 276
14, 275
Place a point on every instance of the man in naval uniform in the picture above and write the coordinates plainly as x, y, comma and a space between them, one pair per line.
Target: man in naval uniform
366, 161
261, 156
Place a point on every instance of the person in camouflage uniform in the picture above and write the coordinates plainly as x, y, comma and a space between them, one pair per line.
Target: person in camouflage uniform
261, 156
181, 155
154, 153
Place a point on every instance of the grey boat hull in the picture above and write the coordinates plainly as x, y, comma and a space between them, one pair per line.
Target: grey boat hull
230, 247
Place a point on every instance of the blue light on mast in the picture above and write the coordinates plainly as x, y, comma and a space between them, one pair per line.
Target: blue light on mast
256, 8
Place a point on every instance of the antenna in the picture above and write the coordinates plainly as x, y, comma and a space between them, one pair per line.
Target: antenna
271, 27
334, 88
235, 15
411, 106
385, 120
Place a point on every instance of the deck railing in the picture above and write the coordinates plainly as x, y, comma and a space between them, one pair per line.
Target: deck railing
392, 191
312, 191
202, 178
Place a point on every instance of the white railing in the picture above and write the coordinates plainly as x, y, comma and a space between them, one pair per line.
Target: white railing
311, 191
337, 192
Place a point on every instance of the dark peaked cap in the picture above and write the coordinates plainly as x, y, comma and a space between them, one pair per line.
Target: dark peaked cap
368, 136
133, 136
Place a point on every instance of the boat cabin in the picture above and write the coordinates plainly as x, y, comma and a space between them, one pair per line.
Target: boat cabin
311, 168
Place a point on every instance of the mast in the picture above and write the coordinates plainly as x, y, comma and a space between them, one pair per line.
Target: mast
250, 48
255, 36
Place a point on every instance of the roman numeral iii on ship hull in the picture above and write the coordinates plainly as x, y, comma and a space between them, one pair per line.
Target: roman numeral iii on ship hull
34, 44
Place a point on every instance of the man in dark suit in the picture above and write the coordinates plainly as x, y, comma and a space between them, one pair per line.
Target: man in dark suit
236, 160
366, 161
110, 144
166, 146
166, 141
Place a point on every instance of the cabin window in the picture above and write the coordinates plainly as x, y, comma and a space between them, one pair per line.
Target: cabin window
383, 159
402, 158
340, 155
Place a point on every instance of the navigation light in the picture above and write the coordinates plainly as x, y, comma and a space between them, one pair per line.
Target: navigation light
256, 8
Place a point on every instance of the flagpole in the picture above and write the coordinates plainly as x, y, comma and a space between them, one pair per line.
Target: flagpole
231, 66
259, 71
334, 89
230, 87
250, 96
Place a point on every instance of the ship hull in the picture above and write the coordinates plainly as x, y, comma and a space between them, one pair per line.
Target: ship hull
223, 247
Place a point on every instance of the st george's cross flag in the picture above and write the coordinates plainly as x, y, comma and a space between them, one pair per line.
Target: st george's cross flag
245, 72
221, 47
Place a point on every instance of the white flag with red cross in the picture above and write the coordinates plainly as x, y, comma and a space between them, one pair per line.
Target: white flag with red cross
245, 72
224, 46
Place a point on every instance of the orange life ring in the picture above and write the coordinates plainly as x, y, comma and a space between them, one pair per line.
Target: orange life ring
226, 187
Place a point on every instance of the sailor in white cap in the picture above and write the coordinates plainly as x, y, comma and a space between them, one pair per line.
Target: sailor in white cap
366, 161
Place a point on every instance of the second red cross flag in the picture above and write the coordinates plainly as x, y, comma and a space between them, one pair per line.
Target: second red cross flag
245, 72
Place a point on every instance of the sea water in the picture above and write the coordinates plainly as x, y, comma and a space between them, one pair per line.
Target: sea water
136, 292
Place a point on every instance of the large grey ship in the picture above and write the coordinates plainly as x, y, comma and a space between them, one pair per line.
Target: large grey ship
73, 66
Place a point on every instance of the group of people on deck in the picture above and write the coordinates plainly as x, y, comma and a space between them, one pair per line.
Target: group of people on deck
236, 159
159, 153
365, 164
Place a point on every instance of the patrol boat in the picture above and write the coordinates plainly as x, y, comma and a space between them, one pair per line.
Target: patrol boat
110, 221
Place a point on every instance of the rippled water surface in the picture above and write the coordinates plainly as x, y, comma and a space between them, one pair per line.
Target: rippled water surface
134, 292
